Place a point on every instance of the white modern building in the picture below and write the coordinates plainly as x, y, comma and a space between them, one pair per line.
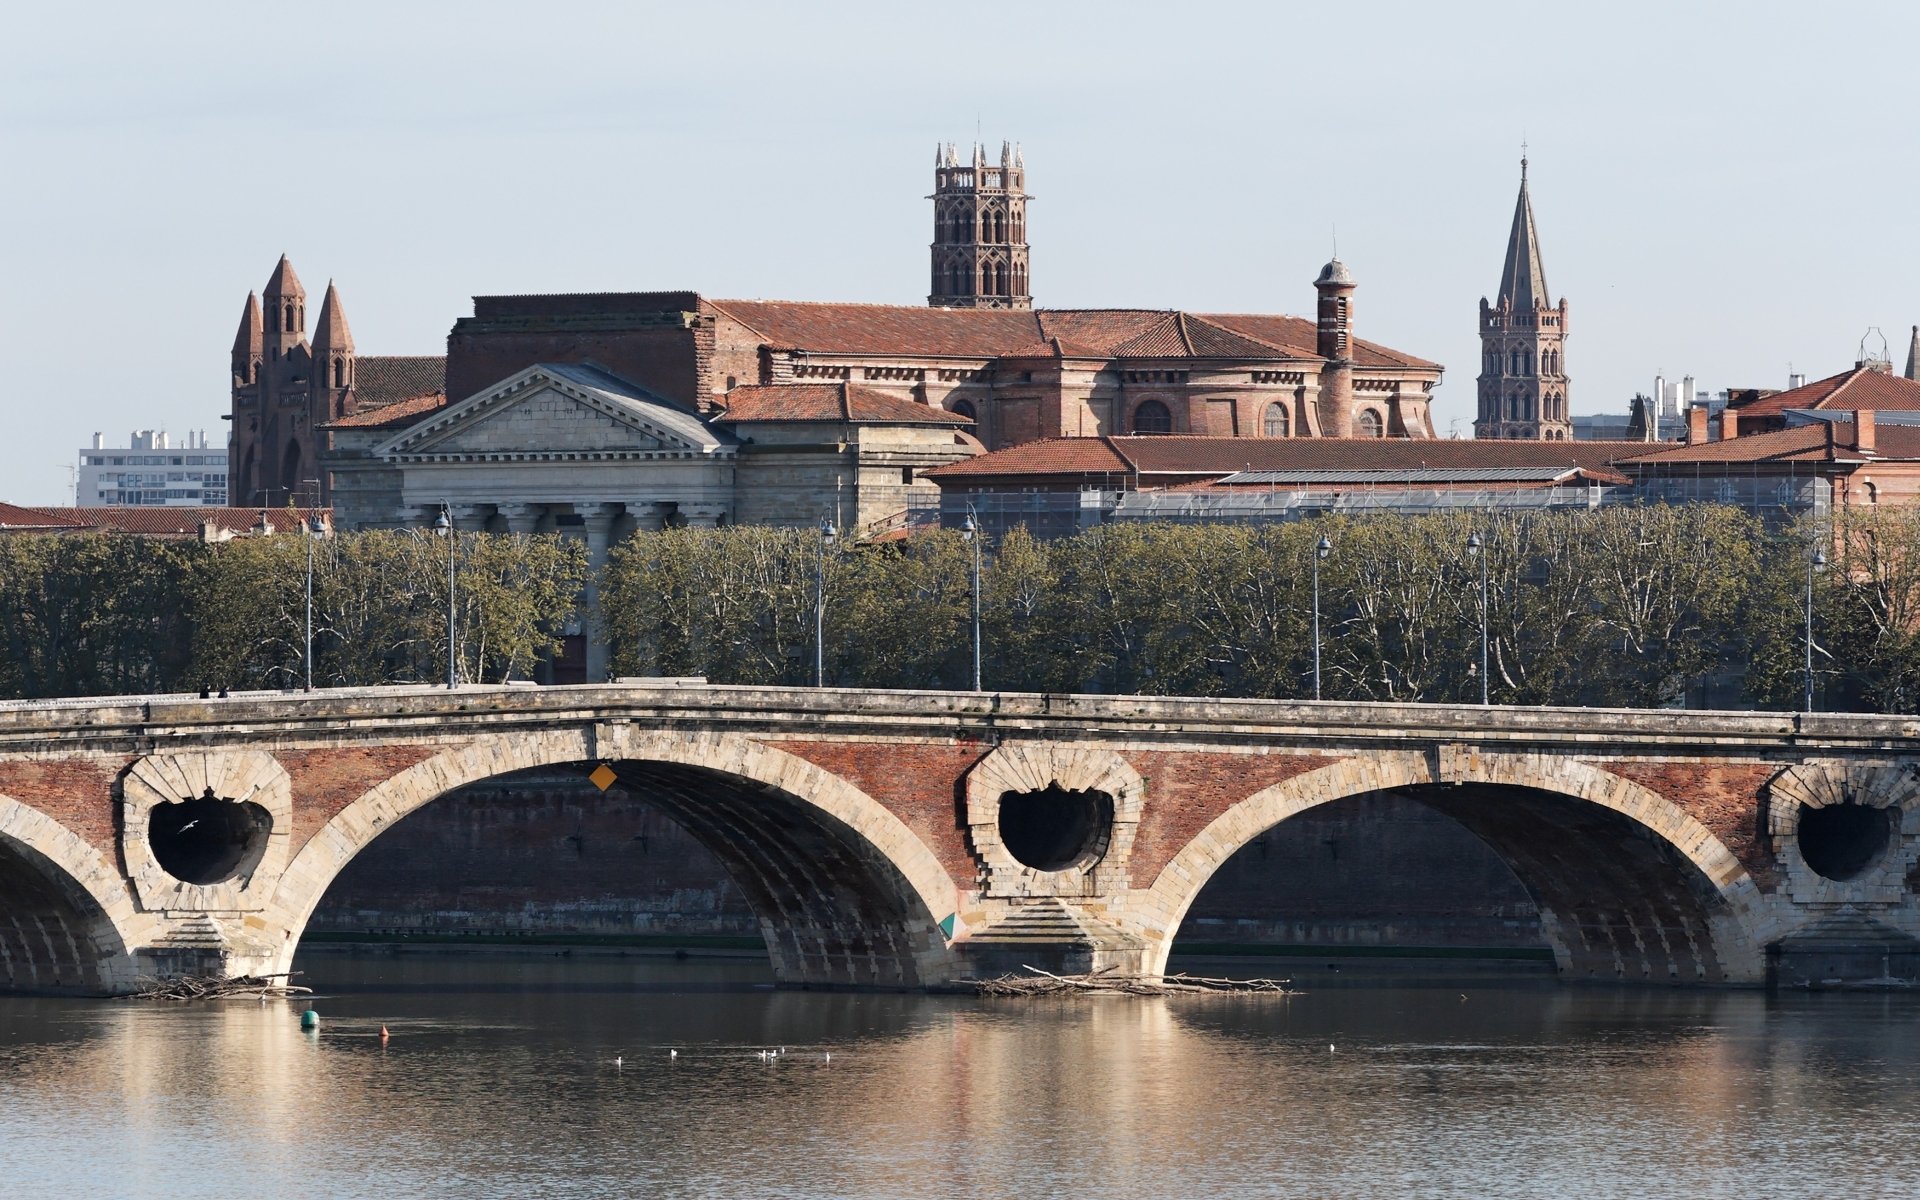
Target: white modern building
152, 471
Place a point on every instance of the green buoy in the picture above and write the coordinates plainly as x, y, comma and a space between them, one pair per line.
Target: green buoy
309, 1020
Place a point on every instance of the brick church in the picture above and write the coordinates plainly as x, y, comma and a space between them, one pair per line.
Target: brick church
885, 391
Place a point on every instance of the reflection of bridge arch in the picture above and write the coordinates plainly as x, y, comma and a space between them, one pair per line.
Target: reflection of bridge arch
845, 892
1628, 885
63, 907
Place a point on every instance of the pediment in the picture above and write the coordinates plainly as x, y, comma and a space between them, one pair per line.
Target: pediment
557, 411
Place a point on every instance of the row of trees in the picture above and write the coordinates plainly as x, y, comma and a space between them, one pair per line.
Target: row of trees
1632, 606
109, 615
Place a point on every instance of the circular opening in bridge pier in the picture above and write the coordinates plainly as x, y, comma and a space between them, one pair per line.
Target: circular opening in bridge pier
1052, 829
1841, 841
209, 839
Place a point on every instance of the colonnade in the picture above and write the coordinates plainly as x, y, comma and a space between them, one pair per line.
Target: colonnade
600, 523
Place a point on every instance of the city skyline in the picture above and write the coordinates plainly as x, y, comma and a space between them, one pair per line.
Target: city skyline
1702, 215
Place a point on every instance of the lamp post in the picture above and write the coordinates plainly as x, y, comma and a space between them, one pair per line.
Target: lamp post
443, 527
1815, 562
312, 528
1474, 546
1320, 551
827, 536
970, 531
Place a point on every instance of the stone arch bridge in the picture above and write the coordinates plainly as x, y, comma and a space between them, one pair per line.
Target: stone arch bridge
912, 839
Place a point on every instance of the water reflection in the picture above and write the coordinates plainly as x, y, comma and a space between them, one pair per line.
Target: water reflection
499, 1081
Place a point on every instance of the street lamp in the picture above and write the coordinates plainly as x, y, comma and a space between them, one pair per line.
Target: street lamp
1814, 563
443, 527
827, 536
311, 528
970, 531
1474, 546
1320, 551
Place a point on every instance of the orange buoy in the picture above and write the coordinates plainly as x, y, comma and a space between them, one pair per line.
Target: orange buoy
384, 1035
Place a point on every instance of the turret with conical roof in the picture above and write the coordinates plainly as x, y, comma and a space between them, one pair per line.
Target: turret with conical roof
1523, 379
285, 302
332, 356
1334, 340
1913, 355
249, 344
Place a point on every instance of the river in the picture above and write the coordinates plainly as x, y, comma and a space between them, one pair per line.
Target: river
499, 1079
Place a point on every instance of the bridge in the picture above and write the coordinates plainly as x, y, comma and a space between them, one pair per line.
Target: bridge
915, 839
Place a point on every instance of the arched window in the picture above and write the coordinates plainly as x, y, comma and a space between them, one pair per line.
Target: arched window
286, 320
1277, 423
1152, 417
1513, 362
964, 408
339, 372
290, 472
1368, 424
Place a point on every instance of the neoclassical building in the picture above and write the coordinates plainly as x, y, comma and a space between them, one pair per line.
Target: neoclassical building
1523, 371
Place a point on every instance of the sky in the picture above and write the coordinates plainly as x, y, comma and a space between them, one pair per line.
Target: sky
1725, 190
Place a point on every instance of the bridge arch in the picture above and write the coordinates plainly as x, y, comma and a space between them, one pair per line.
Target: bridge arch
1629, 886
845, 892
64, 909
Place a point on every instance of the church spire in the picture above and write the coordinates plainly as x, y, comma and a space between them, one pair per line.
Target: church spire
333, 354
1523, 281
1913, 355
251, 341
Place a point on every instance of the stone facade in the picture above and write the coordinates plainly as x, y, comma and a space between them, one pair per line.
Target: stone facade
1660, 847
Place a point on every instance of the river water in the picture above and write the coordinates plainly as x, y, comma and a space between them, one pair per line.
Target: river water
499, 1080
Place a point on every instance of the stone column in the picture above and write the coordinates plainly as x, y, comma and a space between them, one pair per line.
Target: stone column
469, 518
521, 518
598, 520
649, 516
703, 516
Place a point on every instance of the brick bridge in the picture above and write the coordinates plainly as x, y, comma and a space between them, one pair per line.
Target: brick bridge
908, 839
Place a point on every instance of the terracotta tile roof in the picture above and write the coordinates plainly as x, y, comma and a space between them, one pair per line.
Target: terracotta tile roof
380, 380
1477, 478
1048, 456
176, 522
850, 403
397, 415
12, 516
1855, 389
1802, 443
1165, 456
1299, 338
890, 329
884, 328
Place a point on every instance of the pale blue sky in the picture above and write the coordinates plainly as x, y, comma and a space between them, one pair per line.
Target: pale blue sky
1721, 189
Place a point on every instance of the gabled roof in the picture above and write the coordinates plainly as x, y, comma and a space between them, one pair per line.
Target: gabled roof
1861, 387
846, 403
14, 517
624, 403
383, 379
890, 329
1186, 456
397, 415
1523, 279
1799, 444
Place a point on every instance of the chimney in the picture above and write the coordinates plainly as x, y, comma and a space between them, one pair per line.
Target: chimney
1696, 426
1863, 431
1729, 424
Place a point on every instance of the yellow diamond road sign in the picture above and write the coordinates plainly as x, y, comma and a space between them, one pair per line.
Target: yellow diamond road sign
603, 777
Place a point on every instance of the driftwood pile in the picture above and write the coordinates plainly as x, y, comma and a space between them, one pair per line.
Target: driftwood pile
1109, 981
213, 987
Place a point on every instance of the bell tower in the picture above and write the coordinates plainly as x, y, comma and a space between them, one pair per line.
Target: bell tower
979, 230
1523, 375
